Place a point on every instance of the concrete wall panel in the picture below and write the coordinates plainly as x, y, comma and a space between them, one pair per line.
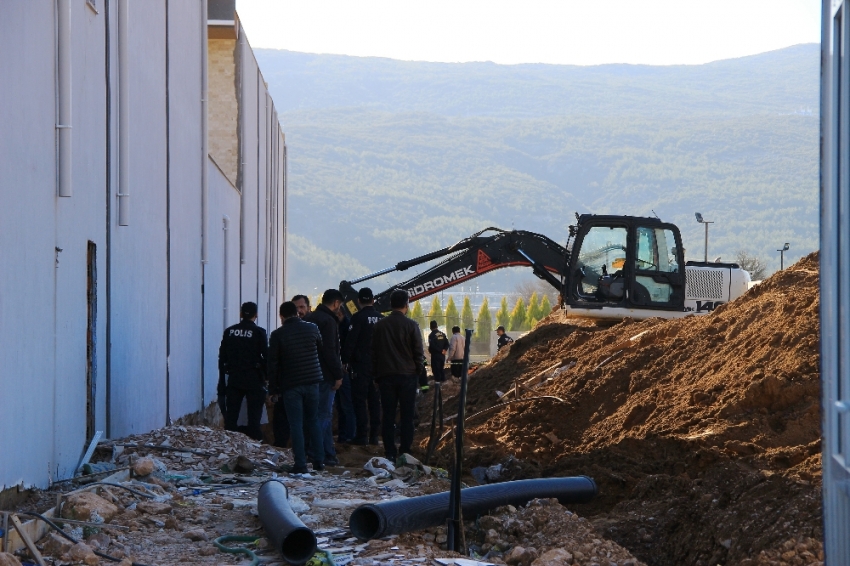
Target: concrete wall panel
139, 250
221, 278
185, 147
27, 190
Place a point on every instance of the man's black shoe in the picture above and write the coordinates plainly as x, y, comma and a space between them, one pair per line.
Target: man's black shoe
318, 467
300, 470
359, 441
331, 462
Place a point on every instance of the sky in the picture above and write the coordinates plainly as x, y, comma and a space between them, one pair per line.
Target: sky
577, 32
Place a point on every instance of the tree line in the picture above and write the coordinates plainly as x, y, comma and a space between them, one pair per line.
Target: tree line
523, 316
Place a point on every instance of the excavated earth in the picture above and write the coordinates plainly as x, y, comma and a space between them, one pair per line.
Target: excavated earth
702, 433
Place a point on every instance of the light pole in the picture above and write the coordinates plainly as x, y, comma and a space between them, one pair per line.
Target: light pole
701, 220
782, 256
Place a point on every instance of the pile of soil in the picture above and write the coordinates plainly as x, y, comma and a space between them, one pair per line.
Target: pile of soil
702, 433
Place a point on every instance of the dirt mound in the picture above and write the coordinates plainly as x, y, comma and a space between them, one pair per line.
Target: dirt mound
703, 433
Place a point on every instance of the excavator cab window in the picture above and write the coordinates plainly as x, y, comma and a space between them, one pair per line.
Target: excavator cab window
600, 261
655, 262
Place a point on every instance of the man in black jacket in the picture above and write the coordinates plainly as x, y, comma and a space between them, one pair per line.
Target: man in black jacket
242, 370
357, 353
325, 318
504, 339
438, 345
294, 377
398, 360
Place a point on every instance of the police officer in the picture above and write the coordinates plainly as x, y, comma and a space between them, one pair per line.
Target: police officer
504, 339
438, 345
357, 353
242, 370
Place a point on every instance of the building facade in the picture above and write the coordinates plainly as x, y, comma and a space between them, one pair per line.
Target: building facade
143, 199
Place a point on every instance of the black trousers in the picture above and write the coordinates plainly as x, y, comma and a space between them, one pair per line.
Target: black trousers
256, 397
398, 392
367, 405
438, 367
457, 368
280, 425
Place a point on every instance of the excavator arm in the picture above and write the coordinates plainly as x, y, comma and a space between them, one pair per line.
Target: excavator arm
470, 258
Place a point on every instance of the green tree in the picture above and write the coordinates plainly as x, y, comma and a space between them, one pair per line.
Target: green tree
532, 322
452, 316
545, 308
435, 313
416, 314
485, 323
519, 316
503, 317
534, 307
466, 317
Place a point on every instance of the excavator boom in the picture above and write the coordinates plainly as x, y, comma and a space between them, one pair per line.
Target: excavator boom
470, 258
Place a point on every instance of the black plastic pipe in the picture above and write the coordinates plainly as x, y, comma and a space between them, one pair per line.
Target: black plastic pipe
375, 520
295, 542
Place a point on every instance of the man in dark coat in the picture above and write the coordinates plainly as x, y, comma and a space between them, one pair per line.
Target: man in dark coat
398, 360
280, 423
504, 339
242, 370
294, 377
357, 353
325, 318
438, 345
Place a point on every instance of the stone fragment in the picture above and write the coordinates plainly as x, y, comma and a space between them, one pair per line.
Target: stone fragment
554, 557
56, 545
196, 535
126, 562
154, 508
86, 506
520, 556
7, 559
99, 541
207, 550
171, 523
81, 552
144, 466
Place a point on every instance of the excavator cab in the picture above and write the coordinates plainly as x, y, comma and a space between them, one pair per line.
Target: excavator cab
619, 262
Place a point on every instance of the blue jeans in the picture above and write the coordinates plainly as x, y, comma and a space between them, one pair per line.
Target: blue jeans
302, 410
346, 423
326, 407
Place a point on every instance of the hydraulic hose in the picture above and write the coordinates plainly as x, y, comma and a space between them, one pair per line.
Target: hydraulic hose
376, 520
295, 542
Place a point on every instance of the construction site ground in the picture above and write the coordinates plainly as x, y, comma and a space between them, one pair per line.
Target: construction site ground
703, 435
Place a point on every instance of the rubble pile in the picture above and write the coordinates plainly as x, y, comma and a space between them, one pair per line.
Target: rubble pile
702, 433
163, 498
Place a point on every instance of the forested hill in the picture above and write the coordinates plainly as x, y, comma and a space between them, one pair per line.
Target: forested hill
389, 159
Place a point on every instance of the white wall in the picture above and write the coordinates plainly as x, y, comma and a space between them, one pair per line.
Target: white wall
156, 326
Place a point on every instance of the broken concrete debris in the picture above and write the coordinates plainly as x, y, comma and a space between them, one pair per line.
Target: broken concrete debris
189, 503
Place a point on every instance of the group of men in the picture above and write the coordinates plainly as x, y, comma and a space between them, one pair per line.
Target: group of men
305, 362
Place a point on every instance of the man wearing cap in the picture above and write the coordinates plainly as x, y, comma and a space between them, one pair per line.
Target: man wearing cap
357, 353
242, 359
438, 345
325, 318
504, 339
398, 359
456, 347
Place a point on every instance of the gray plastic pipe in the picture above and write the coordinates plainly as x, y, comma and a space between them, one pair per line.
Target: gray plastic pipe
295, 542
375, 520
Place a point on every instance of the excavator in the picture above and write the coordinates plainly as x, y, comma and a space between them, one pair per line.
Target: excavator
613, 267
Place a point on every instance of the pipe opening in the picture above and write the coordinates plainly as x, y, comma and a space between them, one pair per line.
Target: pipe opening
298, 546
365, 522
